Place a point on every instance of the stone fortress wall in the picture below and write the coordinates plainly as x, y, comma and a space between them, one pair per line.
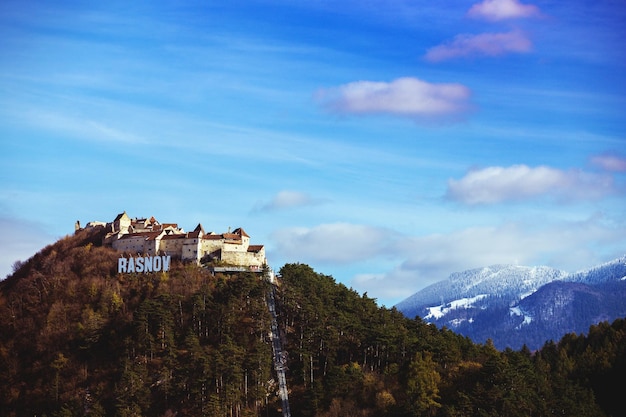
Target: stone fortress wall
149, 237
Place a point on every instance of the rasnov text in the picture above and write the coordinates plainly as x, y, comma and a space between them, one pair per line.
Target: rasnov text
143, 264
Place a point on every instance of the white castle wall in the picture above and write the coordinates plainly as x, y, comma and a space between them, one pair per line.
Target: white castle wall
230, 248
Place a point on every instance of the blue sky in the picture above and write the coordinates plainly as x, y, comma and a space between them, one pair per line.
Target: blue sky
385, 143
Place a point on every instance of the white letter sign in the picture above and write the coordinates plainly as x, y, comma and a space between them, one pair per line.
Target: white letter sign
143, 264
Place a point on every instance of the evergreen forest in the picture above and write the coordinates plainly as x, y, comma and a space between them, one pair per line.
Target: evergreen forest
79, 339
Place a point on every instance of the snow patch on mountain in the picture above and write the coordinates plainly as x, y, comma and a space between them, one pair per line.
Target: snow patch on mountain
439, 311
508, 282
518, 312
515, 305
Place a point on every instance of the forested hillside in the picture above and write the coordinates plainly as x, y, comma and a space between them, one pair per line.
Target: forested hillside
78, 339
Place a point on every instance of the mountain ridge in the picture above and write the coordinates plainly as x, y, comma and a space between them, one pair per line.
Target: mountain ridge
522, 305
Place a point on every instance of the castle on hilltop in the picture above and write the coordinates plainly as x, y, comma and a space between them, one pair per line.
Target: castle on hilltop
150, 237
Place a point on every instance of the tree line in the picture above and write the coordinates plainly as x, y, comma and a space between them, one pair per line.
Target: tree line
349, 357
79, 339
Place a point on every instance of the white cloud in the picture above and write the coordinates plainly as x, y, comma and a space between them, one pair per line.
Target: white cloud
609, 162
520, 182
335, 243
287, 199
502, 9
406, 97
570, 246
487, 44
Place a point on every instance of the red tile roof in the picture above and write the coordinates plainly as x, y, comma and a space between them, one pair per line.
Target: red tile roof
240, 231
213, 237
231, 236
173, 236
194, 234
145, 235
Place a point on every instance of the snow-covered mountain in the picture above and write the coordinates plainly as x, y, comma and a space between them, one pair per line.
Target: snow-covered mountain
516, 305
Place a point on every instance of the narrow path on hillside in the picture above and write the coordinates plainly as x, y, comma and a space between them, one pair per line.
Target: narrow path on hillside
280, 357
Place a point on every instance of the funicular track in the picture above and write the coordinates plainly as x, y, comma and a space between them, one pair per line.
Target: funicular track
280, 357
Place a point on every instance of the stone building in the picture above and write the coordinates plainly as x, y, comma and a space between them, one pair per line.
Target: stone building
149, 237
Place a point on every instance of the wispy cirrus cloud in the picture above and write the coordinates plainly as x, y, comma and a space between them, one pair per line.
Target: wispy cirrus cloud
405, 97
495, 10
89, 127
496, 184
287, 199
484, 44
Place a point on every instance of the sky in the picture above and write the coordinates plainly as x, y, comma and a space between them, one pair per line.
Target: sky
386, 143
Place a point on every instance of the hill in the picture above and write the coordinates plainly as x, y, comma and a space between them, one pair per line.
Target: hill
519, 305
77, 338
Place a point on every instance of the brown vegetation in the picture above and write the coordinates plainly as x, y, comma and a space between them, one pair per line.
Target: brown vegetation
76, 338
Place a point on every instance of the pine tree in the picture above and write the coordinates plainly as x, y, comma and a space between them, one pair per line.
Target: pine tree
423, 385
